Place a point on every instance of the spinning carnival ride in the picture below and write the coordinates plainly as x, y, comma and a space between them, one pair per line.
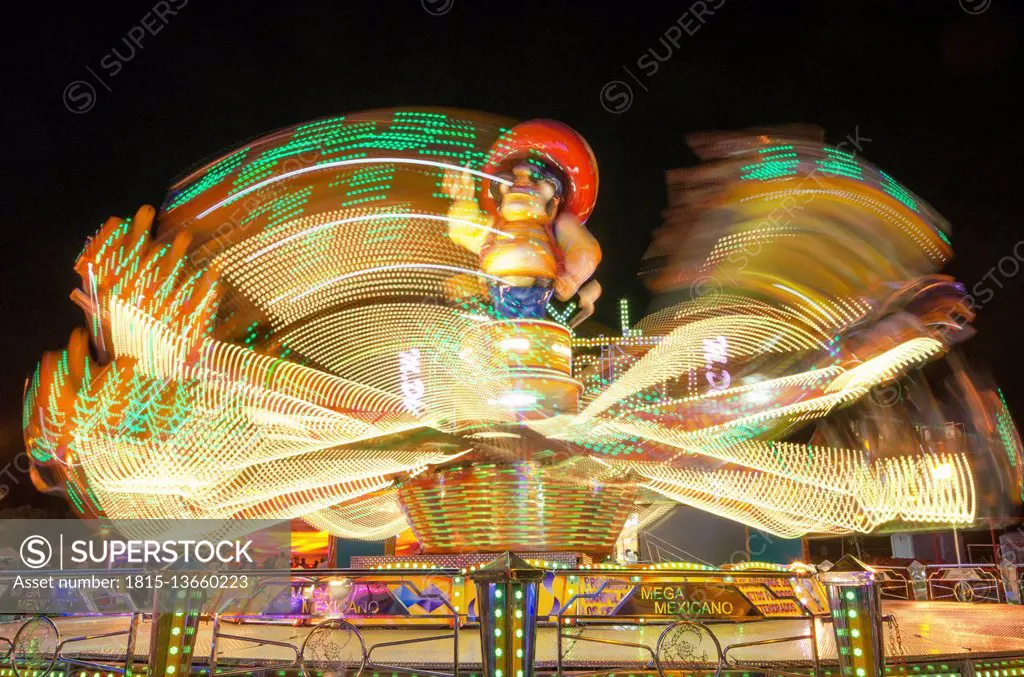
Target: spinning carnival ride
345, 322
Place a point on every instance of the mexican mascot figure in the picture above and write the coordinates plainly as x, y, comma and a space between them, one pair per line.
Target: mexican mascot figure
539, 187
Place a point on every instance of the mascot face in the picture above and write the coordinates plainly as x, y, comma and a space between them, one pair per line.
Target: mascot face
555, 151
533, 196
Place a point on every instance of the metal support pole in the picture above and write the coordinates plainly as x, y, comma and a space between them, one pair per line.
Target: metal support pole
133, 634
173, 632
558, 646
856, 604
1011, 584
506, 593
918, 580
814, 646
214, 644
455, 646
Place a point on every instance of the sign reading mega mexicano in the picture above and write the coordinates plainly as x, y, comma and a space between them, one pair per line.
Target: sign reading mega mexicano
703, 600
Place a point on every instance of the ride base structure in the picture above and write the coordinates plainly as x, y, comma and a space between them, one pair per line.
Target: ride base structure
526, 617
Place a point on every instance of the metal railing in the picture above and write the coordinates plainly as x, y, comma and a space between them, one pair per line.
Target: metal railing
975, 583
325, 629
895, 583
130, 635
660, 657
328, 629
358, 650
965, 583
561, 623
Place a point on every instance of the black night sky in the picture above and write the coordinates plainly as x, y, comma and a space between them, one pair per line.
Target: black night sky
927, 86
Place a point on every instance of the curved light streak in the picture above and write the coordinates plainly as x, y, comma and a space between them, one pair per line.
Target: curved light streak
345, 163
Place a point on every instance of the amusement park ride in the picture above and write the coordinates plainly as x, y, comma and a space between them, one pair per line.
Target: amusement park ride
359, 322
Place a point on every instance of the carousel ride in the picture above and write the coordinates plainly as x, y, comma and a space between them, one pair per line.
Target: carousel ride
373, 323
348, 322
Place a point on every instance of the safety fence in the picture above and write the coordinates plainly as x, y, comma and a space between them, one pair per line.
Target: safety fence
345, 622
969, 583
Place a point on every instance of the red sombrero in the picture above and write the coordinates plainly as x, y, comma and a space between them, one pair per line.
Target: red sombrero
558, 144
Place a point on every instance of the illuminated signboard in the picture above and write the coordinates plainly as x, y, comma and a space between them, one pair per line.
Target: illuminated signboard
693, 600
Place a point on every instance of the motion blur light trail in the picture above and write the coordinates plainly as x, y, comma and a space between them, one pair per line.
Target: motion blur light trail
309, 328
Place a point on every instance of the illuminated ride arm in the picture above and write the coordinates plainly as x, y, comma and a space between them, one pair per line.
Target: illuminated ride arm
468, 225
581, 255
